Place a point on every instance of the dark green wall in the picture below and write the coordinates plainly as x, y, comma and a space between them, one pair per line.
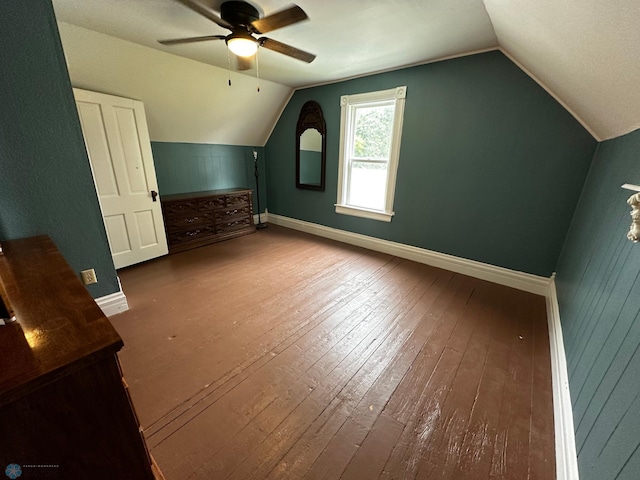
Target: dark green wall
598, 283
46, 185
491, 166
195, 167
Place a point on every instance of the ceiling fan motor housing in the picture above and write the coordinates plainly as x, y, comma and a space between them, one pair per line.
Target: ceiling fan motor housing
238, 13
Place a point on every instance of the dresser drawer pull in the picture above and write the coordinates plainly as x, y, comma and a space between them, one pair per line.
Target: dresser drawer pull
191, 234
191, 220
231, 212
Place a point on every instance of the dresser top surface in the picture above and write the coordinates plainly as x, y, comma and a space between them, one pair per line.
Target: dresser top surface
59, 327
203, 194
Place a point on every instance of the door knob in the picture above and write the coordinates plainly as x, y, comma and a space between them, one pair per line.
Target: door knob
154, 195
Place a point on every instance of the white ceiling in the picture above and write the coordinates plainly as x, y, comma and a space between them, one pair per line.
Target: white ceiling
584, 52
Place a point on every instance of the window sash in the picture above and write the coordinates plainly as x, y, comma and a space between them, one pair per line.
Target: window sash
378, 197
350, 105
367, 161
351, 127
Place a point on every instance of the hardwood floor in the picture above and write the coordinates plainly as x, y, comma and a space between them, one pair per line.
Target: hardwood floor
281, 355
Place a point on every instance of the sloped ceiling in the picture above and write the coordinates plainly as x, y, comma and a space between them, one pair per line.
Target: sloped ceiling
587, 52
185, 101
584, 52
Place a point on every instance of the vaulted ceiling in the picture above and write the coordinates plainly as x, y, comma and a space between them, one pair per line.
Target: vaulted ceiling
584, 52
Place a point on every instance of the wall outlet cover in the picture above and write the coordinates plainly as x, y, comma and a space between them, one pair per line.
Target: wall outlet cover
89, 276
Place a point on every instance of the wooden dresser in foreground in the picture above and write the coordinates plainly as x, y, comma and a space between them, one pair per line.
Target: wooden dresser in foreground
65, 411
199, 218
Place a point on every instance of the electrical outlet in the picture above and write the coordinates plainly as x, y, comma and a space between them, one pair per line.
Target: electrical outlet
89, 276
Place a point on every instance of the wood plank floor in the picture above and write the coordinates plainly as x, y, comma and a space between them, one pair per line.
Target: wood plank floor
281, 355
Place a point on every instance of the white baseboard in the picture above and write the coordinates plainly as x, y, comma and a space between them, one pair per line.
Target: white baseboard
502, 276
566, 456
264, 216
113, 304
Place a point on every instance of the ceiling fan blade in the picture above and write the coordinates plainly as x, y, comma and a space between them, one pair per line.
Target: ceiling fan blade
288, 16
286, 49
191, 39
205, 12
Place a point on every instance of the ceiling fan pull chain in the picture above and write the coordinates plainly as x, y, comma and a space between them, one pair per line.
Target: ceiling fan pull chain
229, 65
258, 71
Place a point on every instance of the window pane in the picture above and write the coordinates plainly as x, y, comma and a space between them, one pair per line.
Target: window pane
368, 185
373, 129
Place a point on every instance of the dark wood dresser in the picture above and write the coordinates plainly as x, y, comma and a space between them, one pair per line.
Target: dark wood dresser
199, 218
65, 411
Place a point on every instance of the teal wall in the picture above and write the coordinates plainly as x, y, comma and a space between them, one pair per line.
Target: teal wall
491, 166
194, 167
46, 185
598, 283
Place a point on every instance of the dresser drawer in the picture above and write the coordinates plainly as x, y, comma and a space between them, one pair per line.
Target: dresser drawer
190, 221
233, 224
237, 200
222, 216
223, 201
190, 234
179, 208
211, 203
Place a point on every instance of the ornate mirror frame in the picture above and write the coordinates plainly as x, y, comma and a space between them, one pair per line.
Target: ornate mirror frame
311, 117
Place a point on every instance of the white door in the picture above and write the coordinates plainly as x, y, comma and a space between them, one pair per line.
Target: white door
117, 139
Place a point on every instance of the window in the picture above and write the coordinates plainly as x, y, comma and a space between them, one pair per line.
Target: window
370, 131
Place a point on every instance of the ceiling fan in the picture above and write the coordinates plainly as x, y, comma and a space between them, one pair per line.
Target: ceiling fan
244, 21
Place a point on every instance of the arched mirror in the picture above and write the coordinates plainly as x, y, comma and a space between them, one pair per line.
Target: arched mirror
311, 146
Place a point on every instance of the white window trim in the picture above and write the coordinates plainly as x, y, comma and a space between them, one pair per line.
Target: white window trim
398, 94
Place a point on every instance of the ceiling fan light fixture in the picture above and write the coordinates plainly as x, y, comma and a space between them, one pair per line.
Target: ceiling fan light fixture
243, 46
